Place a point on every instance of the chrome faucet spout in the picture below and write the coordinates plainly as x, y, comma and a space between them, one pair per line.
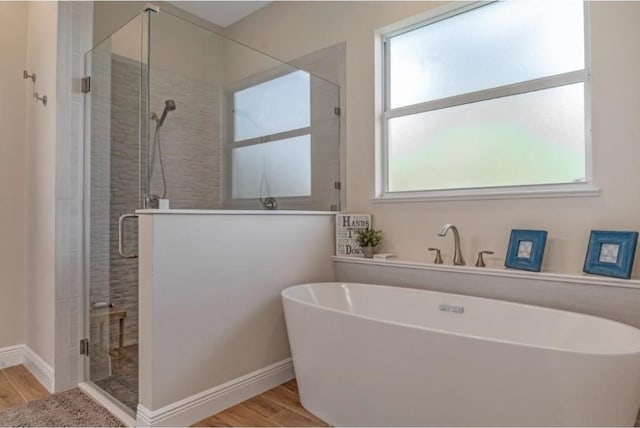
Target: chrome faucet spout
457, 254
445, 229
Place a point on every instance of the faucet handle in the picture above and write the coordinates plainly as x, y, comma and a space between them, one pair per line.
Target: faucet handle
438, 259
480, 261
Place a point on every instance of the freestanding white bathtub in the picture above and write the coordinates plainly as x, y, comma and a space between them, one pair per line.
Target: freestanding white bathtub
388, 356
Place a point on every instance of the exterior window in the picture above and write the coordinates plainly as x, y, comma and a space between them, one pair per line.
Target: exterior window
271, 154
487, 97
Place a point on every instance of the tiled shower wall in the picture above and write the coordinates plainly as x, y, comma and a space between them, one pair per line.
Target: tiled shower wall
124, 195
191, 141
192, 158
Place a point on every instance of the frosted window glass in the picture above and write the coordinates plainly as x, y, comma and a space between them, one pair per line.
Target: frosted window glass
494, 45
278, 169
278, 105
532, 138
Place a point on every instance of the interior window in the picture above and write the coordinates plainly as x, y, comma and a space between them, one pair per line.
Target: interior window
271, 154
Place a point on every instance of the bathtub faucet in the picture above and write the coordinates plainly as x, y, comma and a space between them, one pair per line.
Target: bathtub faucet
457, 254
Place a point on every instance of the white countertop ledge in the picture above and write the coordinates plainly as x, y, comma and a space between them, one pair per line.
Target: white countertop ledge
231, 212
509, 273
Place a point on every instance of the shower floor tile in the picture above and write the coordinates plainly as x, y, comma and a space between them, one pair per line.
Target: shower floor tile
123, 382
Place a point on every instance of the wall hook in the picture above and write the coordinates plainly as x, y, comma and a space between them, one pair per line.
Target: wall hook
26, 75
37, 97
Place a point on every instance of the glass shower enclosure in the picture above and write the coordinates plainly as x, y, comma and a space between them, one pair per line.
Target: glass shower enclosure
179, 117
115, 114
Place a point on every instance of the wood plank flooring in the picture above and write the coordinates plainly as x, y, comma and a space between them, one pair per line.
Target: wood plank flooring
279, 407
18, 386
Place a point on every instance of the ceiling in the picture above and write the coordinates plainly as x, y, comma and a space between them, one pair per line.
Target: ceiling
222, 13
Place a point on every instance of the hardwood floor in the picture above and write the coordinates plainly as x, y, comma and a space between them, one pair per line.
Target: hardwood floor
18, 386
279, 406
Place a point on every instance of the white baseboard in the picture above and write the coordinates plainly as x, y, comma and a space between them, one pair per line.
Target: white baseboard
39, 368
99, 397
197, 407
11, 356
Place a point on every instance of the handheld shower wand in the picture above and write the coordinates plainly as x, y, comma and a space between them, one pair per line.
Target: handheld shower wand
169, 105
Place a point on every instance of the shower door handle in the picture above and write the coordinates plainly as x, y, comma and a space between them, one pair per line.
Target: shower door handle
121, 236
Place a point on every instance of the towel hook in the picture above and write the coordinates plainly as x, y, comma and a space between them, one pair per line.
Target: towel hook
26, 75
37, 97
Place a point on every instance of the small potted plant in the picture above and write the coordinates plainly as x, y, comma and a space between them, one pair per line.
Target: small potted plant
369, 239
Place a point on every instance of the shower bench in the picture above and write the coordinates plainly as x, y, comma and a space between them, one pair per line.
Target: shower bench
102, 315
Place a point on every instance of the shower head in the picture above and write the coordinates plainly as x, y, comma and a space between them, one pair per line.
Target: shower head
169, 105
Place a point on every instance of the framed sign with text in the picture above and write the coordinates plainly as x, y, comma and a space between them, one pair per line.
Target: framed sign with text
346, 227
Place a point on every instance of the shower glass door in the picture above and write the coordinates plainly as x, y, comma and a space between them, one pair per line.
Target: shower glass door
115, 118
238, 129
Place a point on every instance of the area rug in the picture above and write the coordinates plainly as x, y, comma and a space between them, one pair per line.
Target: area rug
65, 409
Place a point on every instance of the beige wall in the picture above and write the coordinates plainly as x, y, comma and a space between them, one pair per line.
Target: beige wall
290, 29
177, 46
13, 45
109, 16
42, 27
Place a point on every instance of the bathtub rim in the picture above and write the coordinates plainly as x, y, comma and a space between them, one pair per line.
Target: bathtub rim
468, 336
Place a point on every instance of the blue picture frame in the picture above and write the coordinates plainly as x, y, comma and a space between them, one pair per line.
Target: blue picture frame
526, 249
611, 253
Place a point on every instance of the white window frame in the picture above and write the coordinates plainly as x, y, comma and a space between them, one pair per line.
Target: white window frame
231, 144
584, 188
